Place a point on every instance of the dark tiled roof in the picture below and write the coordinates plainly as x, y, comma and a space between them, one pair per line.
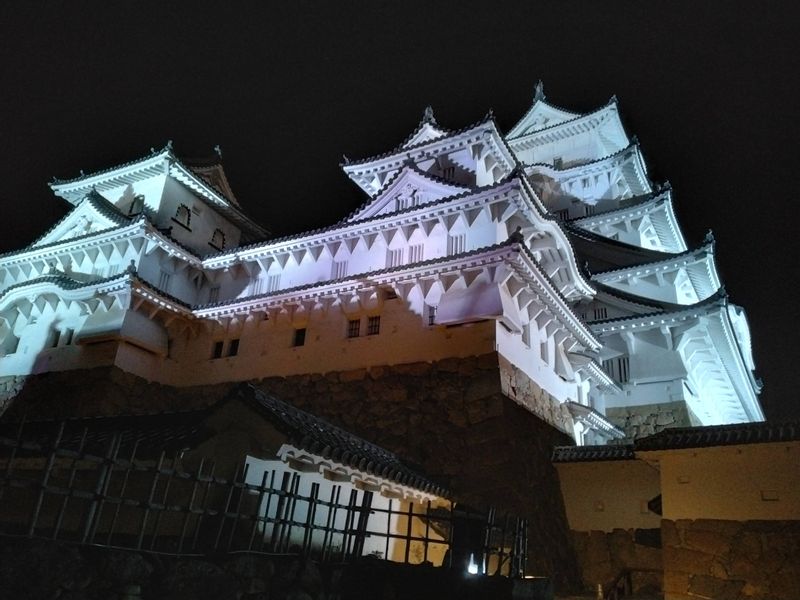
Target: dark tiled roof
562, 454
721, 296
721, 435
322, 438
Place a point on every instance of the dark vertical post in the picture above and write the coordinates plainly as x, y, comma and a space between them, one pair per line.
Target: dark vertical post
290, 506
330, 521
266, 511
101, 491
363, 519
224, 513
311, 515
408, 530
277, 527
129, 467
73, 469
12, 458
149, 503
37, 507
189, 508
241, 486
427, 530
201, 516
163, 504
388, 530
257, 516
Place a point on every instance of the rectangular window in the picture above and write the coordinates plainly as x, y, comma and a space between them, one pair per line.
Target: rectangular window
373, 325
299, 337
416, 253
448, 172
394, 258
55, 336
213, 294
68, 335
339, 269
431, 315
273, 282
456, 244
233, 347
558, 162
563, 214
600, 313
163, 281
618, 368
216, 349
353, 328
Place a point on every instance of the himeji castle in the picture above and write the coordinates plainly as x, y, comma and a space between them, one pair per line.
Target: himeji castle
548, 245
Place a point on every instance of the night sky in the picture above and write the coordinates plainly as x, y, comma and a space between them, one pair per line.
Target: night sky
287, 88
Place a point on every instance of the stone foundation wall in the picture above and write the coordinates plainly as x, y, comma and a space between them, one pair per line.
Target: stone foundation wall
603, 556
731, 560
641, 421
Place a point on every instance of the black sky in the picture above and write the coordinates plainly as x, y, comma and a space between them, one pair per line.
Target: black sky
286, 88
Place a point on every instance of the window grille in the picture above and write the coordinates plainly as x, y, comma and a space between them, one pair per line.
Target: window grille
273, 282
213, 294
456, 243
183, 216
218, 239
258, 284
562, 214
416, 253
394, 258
373, 325
600, 313
299, 337
339, 269
618, 368
448, 172
353, 328
163, 281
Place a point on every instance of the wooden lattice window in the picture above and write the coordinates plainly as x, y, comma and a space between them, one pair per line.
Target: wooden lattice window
218, 239
183, 216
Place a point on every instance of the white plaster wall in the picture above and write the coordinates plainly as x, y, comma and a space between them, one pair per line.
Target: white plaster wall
608, 495
755, 481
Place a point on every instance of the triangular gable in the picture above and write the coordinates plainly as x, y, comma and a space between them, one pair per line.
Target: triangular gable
214, 175
409, 187
539, 116
93, 214
426, 132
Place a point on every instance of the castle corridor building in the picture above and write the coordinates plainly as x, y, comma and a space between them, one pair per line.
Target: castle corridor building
547, 245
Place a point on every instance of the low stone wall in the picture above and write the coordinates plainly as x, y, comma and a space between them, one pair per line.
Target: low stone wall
603, 555
731, 560
43, 570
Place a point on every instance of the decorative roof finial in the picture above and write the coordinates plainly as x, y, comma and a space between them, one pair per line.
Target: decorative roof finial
428, 115
709, 239
82, 173
538, 93
218, 150
169, 145
345, 159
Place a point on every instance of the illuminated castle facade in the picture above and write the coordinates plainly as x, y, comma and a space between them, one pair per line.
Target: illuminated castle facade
547, 245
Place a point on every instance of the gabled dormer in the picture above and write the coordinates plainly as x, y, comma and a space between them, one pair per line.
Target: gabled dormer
408, 188
473, 156
93, 214
548, 134
194, 204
